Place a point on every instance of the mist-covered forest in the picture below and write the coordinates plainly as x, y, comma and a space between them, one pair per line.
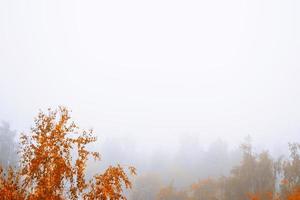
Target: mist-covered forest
52, 161
149, 100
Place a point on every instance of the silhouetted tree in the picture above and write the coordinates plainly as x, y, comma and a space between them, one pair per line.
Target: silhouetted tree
8, 147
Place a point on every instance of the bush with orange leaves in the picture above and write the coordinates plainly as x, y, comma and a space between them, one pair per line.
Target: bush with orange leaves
49, 170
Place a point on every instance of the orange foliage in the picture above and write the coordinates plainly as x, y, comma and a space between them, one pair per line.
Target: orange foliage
48, 169
9, 185
266, 196
253, 197
295, 195
109, 184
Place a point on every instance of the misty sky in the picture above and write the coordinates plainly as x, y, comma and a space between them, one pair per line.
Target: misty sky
155, 70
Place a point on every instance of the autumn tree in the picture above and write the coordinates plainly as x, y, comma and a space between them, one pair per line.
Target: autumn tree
291, 171
255, 175
53, 163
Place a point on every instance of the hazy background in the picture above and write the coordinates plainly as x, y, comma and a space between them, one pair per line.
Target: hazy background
156, 79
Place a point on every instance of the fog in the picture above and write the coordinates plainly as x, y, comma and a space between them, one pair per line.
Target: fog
158, 81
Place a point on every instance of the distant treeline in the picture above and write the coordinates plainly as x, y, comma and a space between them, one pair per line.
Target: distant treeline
257, 177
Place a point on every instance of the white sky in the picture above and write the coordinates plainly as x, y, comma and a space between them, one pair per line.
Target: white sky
155, 69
